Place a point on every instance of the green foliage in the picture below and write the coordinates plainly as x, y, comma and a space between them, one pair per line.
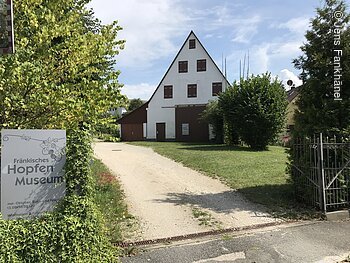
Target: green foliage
255, 109
108, 129
134, 104
61, 76
63, 70
318, 111
75, 231
213, 115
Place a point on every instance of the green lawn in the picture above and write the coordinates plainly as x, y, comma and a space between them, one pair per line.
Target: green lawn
259, 175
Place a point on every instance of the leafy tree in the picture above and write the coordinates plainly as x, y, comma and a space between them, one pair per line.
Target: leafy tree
318, 109
63, 71
255, 108
213, 115
61, 76
134, 104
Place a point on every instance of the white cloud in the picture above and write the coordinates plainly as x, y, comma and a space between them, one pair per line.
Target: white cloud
227, 17
148, 27
245, 29
286, 75
259, 59
297, 25
143, 91
287, 49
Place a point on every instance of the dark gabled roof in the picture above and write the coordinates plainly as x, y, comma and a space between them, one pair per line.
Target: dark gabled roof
129, 115
172, 63
292, 93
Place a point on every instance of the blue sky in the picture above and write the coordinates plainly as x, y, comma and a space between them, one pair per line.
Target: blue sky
271, 30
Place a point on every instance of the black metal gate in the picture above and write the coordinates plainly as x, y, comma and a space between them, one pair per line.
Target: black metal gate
321, 171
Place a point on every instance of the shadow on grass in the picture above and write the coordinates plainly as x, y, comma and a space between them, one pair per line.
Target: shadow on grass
281, 202
278, 200
215, 147
223, 203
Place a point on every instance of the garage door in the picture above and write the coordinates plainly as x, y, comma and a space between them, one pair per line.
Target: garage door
132, 132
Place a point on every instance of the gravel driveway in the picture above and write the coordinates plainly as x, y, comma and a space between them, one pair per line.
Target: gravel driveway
170, 199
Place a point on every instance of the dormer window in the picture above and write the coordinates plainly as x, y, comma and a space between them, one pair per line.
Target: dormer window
183, 66
192, 44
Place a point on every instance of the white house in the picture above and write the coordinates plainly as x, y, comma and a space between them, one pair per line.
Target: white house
173, 111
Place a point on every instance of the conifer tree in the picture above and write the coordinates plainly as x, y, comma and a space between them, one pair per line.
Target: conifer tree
324, 101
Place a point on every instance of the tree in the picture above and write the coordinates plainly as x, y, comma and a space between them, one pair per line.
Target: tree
326, 42
255, 109
134, 104
213, 115
62, 74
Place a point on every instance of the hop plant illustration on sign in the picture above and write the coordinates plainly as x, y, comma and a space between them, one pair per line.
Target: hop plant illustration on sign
6, 27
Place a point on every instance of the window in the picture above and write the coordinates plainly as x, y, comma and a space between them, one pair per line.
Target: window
201, 65
191, 90
168, 92
183, 66
192, 44
216, 88
185, 129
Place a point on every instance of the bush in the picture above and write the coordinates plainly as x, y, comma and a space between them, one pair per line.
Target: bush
213, 115
255, 109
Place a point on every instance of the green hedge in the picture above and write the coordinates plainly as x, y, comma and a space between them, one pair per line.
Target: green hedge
74, 232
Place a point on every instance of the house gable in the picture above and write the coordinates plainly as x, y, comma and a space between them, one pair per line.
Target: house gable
191, 81
179, 57
193, 77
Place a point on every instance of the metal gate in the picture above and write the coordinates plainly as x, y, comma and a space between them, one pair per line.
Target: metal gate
321, 171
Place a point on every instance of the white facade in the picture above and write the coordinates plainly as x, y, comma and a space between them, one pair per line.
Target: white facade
162, 110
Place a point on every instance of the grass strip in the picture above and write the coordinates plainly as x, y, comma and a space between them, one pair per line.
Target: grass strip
109, 197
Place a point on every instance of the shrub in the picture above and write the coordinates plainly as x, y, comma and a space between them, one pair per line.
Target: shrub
255, 109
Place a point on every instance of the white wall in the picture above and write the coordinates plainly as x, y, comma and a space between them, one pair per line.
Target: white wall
163, 110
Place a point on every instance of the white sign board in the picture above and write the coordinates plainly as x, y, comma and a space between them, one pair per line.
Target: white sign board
32, 173
185, 129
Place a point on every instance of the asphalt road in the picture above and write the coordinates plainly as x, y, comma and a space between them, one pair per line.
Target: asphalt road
313, 242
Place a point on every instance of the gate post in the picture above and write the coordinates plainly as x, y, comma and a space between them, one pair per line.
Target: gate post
321, 170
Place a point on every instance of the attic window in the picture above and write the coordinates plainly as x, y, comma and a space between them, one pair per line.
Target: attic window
183, 66
216, 88
168, 92
201, 65
192, 44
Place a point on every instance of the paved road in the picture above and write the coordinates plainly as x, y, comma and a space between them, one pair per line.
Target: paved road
165, 196
316, 242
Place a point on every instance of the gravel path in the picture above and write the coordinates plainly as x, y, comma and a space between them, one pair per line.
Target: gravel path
170, 199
